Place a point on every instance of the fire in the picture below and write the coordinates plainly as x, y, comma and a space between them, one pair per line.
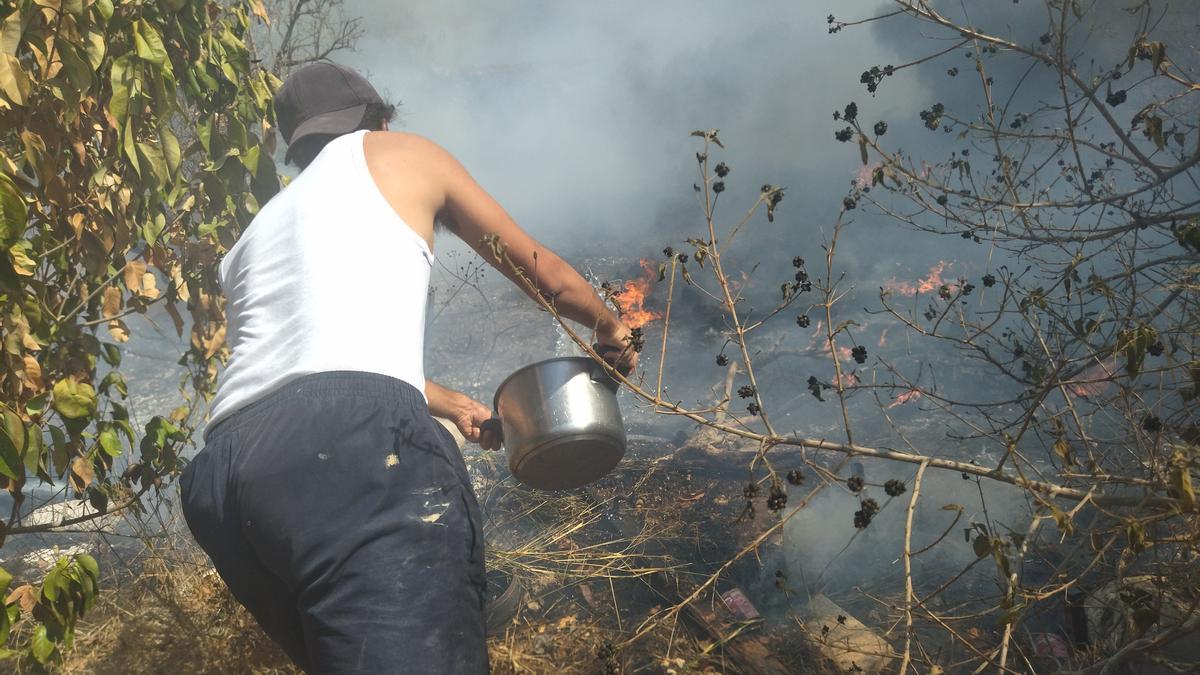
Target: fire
905, 398
930, 282
1096, 380
631, 299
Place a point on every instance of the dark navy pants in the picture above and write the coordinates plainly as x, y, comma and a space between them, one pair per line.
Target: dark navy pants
342, 516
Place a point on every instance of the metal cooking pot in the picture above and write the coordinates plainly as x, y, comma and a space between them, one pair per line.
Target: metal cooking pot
562, 427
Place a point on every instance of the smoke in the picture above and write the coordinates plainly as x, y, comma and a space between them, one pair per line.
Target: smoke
575, 116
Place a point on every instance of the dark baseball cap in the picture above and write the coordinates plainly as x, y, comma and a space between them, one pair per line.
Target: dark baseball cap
322, 98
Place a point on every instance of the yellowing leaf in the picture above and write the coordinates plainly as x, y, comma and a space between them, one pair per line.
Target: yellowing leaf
12, 212
33, 373
74, 399
134, 271
82, 473
110, 305
14, 83
257, 8
118, 330
149, 286
25, 596
22, 263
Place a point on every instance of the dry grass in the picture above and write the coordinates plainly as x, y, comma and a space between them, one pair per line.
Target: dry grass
593, 565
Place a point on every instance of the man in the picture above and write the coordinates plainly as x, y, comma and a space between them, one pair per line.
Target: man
332, 504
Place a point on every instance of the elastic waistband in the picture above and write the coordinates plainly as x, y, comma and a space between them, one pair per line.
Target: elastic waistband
332, 383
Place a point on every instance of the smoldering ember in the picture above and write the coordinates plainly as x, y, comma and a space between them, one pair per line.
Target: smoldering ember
762, 338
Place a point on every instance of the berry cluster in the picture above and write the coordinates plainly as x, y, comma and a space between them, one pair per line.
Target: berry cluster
777, 498
722, 169
803, 321
753, 408
880, 128
933, 117
894, 488
989, 281
866, 512
855, 484
795, 477
815, 386
859, 353
875, 75
722, 360
746, 391
636, 339
1151, 424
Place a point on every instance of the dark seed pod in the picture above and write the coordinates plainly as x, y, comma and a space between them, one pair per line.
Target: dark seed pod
795, 477
777, 499
855, 484
894, 488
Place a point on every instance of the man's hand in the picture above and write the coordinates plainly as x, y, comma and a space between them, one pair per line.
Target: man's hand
465, 412
615, 345
470, 420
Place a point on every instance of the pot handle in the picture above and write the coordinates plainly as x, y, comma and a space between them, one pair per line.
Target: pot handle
599, 374
494, 426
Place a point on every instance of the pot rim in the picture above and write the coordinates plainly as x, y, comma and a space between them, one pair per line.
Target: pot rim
518, 371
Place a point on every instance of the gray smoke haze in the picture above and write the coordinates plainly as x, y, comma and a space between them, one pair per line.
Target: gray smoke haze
575, 116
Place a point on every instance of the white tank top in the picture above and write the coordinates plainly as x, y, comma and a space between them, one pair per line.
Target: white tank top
326, 277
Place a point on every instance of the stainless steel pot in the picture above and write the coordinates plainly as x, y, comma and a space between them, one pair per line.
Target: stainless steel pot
562, 426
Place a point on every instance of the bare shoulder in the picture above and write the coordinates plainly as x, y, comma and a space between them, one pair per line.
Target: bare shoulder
410, 145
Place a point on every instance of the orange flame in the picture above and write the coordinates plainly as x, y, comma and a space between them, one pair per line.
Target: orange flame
907, 396
930, 282
631, 299
1096, 380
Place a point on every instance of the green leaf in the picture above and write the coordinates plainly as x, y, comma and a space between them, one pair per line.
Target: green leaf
5, 580
154, 227
150, 155
249, 159
111, 354
88, 564
40, 645
119, 78
34, 448
10, 459
96, 48
171, 150
110, 442
60, 456
148, 43
105, 7
73, 399
129, 145
13, 212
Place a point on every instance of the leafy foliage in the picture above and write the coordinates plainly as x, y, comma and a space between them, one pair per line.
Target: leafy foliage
137, 142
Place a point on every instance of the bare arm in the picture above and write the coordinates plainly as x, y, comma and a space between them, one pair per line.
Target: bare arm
471, 213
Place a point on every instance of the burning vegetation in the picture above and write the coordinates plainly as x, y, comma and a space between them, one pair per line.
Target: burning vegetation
631, 299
